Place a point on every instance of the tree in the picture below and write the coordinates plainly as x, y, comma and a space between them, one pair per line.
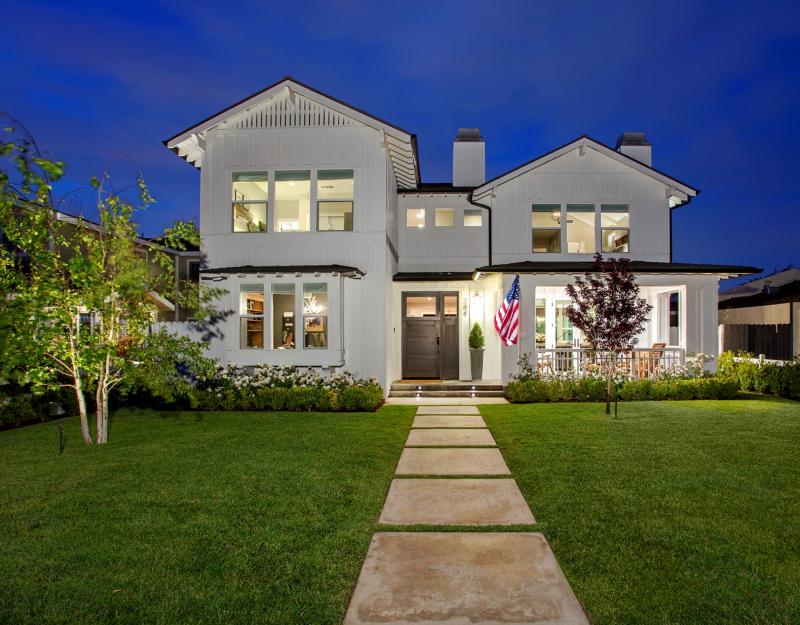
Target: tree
77, 299
609, 311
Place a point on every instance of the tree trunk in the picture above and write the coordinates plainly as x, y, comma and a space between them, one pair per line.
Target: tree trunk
102, 411
609, 378
82, 414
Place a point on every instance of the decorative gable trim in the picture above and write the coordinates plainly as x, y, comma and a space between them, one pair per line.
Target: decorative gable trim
288, 110
291, 104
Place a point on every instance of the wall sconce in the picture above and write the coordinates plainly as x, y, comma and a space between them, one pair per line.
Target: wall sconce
476, 307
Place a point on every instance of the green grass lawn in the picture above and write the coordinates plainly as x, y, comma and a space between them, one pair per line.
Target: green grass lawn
677, 512
193, 517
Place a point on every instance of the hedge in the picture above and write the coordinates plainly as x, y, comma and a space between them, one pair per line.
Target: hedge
749, 375
535, 390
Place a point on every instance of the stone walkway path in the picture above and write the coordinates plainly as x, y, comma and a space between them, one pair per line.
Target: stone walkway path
452, 474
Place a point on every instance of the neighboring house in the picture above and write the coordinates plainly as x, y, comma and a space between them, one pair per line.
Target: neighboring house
762, 316
187, 265
335, 254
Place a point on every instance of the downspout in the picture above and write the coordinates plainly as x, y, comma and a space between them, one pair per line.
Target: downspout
489, 209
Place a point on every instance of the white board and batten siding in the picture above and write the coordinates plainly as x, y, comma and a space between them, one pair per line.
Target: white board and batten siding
362, 306
432, 248
593, 178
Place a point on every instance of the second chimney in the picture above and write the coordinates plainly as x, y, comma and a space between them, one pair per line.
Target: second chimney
636, 145
469, 158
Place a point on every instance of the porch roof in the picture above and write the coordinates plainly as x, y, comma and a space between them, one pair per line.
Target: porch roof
637, 266
251, 269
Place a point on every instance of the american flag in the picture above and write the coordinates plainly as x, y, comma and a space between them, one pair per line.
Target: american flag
506, 321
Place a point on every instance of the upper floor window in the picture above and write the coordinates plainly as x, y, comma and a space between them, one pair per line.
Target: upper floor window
415, 218
250, 198
580, 229
335, 199
292, 201
546, 226
615, 227
444, 218
473, 217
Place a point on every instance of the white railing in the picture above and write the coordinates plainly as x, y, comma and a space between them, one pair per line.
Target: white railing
646, 362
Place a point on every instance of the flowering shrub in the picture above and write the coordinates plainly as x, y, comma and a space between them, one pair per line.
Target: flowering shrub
687, 381
275, 387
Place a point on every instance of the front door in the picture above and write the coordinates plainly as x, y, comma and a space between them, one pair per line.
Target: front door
430, 335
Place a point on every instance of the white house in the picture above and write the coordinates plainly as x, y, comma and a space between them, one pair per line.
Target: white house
335, 254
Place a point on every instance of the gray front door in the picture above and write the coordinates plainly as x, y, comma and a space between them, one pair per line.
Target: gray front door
430, 335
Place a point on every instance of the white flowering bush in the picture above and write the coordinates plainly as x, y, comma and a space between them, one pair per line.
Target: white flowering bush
281, 387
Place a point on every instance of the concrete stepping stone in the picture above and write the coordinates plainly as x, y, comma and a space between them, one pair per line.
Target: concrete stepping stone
455, 502
465, 461
448, 421
448, 410
450, 437
462, 578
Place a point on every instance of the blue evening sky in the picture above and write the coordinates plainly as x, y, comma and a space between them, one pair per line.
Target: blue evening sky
715, 85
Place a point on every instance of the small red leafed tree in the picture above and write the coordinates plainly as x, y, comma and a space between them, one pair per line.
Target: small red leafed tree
609, 311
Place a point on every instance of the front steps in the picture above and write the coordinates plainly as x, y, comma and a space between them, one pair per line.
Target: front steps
446, 388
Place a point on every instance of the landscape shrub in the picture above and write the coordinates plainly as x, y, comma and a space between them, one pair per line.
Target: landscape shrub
751, 375
535, 390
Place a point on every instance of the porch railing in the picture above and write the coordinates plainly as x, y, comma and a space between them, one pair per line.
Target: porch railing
637, 363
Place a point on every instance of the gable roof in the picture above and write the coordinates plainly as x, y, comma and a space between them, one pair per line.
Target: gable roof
685, 192
291, 103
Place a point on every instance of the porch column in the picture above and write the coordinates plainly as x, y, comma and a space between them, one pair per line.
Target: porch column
527, 305
702, 319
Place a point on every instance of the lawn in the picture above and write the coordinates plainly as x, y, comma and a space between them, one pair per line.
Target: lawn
677, 512
193, 517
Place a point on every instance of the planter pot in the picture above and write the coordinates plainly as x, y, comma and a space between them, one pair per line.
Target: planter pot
476, 363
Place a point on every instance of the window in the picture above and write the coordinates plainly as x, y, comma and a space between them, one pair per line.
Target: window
420, 306
250, 197
251, 315
615, 227
315, 316
546, 225
335, 199
674, 319
473, 217
580, 229
415, 218
292, 201
564, 330
283, 328
541, 327
193, 270
444, 218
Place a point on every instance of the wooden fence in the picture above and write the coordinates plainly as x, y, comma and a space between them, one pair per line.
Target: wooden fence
772, 340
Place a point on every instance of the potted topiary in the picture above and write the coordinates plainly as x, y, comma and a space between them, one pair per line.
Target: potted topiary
476, 344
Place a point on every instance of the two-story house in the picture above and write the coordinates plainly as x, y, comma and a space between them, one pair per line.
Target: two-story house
335, 254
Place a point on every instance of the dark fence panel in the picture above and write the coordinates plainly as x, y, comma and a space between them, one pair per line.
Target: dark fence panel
774, 341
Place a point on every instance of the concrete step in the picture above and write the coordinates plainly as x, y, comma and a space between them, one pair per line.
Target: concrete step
440, 393
446, 386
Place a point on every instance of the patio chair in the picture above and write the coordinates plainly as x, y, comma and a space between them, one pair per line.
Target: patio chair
649, 362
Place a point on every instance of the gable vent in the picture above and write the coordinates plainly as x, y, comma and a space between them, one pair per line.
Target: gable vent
288, 111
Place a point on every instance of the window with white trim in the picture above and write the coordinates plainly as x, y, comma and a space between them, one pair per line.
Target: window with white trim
250, 201
251, 316
615, 227
335, 200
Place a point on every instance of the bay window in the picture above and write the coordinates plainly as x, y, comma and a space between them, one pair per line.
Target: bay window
315, 315
283, 326
251, 317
